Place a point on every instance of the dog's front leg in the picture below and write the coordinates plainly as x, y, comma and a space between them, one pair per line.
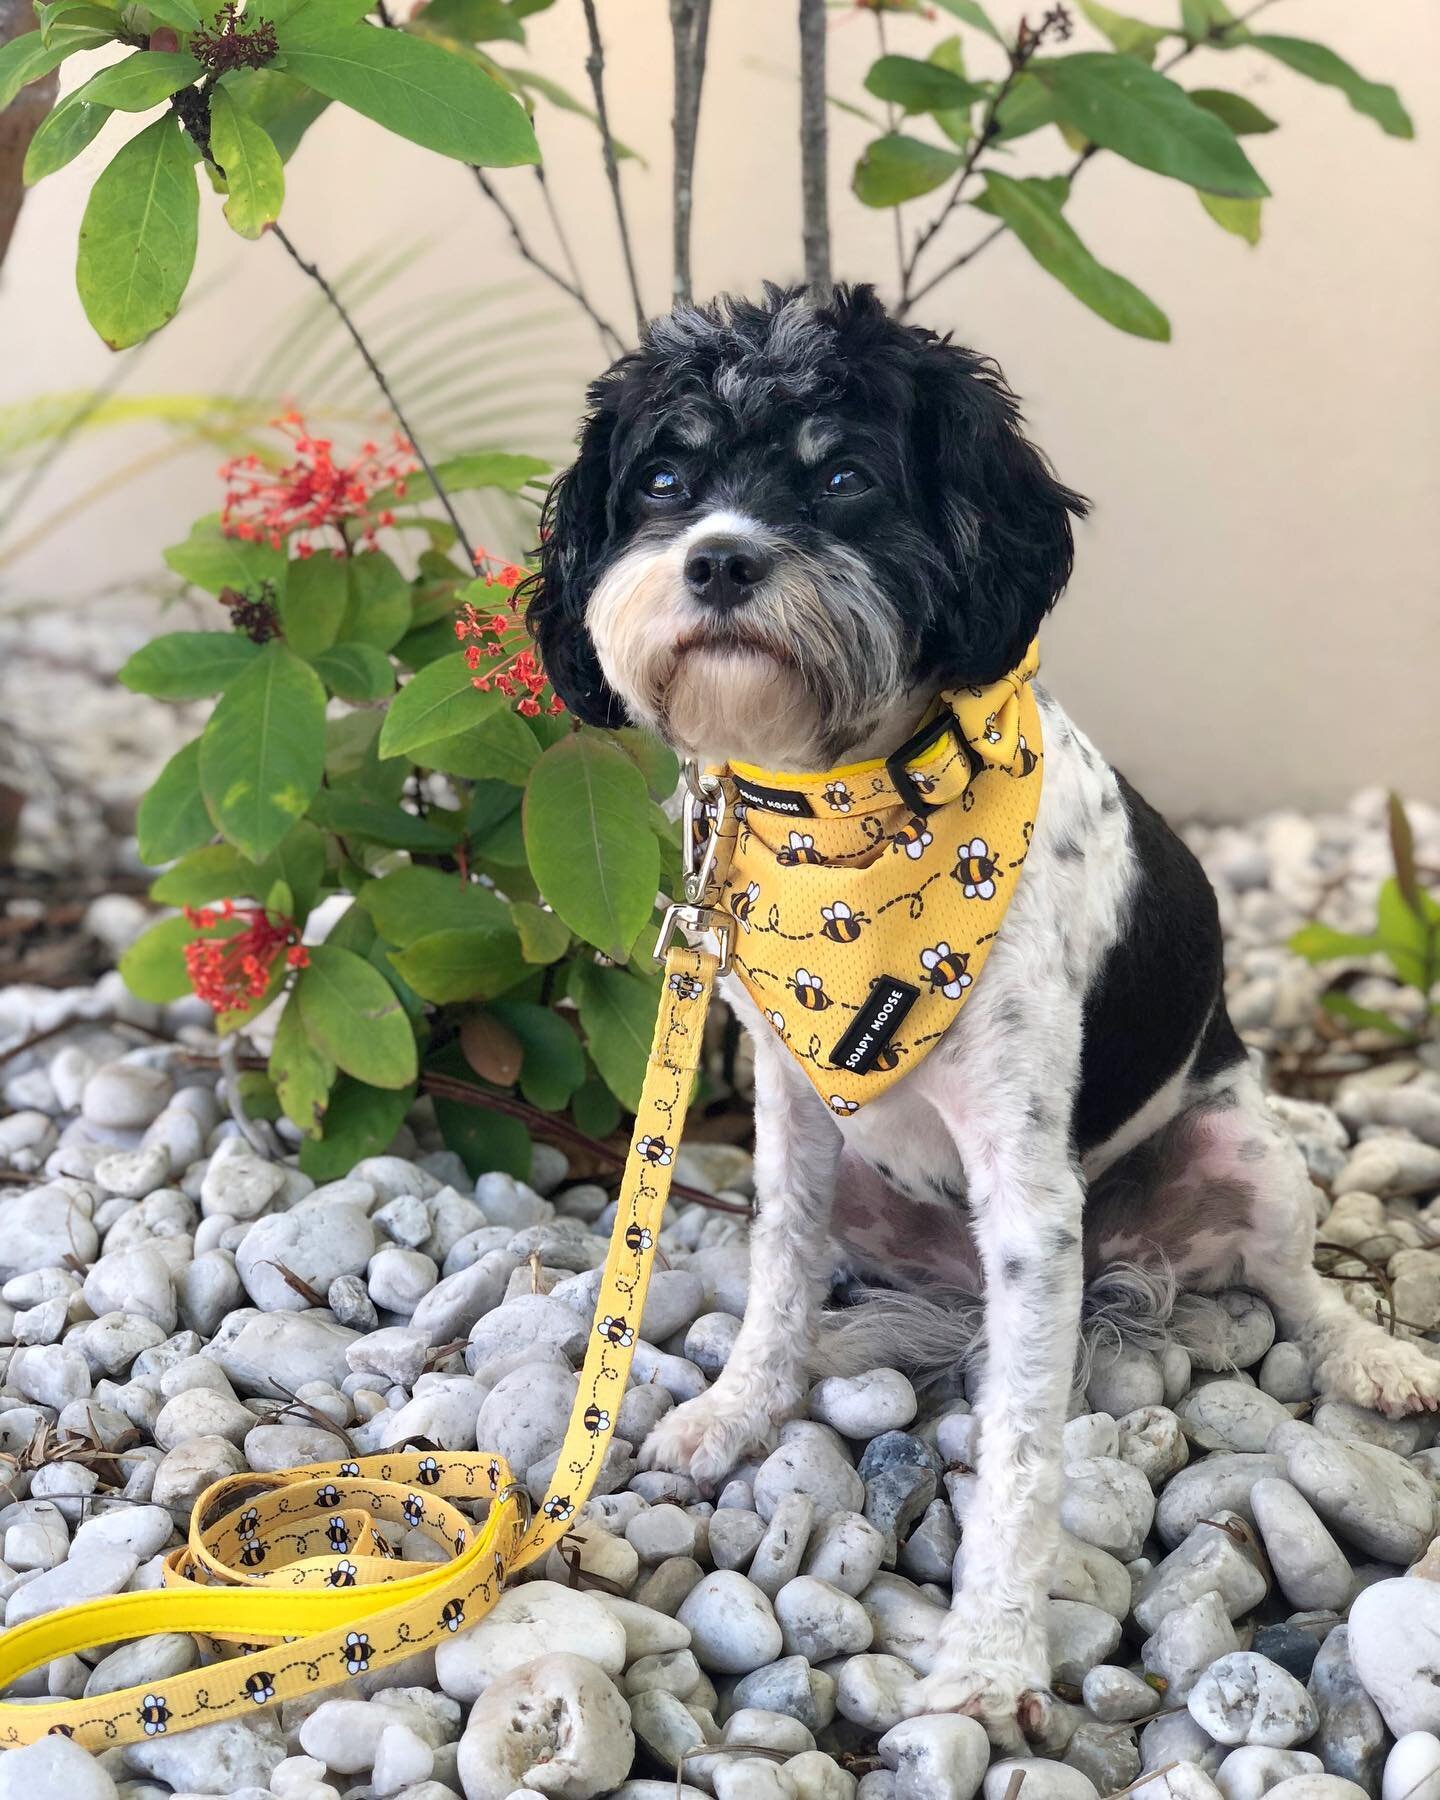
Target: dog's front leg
797, 1147
1026, 1200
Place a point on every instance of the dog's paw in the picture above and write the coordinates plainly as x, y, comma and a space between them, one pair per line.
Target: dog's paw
704, 1438
1013, 1702
1383, 1374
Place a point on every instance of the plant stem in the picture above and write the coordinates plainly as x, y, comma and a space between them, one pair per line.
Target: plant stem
309, 268
595, 68
890, 120
609, 337
814, 147
690, 28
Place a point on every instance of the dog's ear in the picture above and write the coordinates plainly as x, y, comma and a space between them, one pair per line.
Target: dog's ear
574, 533
1002, 518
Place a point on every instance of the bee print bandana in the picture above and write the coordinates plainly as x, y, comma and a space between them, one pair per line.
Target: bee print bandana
866, 899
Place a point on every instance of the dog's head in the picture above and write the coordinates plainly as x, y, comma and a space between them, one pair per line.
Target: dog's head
789, 524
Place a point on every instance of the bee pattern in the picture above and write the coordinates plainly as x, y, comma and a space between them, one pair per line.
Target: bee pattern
841, 925
428, 1473
596, 1420
558, 1508
637, 1239
260, 1687
342, 1575
61, 1731
459, 1541
452, 1615
777, 1019
885, 1060
357, 1652
913, 839
616, 1330
800, 848
742, 904
924, 783
975, 870
810, 991
839, 1104
655, 1150
154, 1715
252, 1553
685, 987
339, 1535
493, 1475
328, 1496
349, 1468
837, 796
946, 969
248, 1523
992, 730
413, 1511
1025, 758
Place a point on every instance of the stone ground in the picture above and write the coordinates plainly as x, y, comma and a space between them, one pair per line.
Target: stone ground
1247, 1594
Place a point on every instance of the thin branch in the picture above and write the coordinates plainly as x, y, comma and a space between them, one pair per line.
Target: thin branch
595, 68
890, 121
609, 337
814, 146
690, 29
338, 305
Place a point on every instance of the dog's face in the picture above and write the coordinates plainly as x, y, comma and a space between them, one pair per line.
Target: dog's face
789, 525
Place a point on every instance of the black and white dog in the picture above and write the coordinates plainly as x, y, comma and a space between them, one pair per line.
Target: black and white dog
789, 525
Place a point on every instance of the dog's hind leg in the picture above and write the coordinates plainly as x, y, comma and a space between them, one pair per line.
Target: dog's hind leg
1236, 1139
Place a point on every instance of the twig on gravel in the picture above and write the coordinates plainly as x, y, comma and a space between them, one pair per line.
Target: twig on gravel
1379, 1276
37, 1038
1146, 1775
1014, 1784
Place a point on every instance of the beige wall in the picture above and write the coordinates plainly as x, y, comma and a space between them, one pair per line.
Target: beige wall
1253, 617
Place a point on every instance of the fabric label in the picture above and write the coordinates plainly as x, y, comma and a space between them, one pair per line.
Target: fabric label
776, 800
874, 1025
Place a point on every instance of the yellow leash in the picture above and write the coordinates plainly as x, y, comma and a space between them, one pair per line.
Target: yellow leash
285, 1566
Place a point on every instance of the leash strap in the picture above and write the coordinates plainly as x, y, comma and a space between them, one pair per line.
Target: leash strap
286, 1567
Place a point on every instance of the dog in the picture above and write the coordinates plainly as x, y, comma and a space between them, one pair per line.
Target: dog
790, 524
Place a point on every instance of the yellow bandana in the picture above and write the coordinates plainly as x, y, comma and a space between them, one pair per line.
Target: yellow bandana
867, 898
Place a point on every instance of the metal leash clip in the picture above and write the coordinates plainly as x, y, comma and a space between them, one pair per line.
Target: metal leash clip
701, 818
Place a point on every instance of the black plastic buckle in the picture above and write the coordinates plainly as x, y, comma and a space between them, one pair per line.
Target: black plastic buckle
896, 764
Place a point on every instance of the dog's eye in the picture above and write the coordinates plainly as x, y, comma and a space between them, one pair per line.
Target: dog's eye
663, 484
846, 480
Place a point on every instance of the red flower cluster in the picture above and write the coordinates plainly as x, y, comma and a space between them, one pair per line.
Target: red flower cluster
518, 674
230, 972
264, 506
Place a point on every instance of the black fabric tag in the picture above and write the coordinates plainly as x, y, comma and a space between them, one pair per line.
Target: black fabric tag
874, 1025
776, 800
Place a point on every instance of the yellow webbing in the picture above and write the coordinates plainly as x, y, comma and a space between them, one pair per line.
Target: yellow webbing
283, 1565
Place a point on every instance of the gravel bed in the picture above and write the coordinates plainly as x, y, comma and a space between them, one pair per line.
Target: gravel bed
1247, 1595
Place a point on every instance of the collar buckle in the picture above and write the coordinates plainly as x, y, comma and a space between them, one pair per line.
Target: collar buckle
898, 761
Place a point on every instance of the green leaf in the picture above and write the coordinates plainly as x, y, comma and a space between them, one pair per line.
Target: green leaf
137, 238
410, 903
617, 1010
412, 88
214, 872
154, 965
1243, 117
313, 606
462, 965
286, 108
1131, 37
972, 15
254, 173
380, 602
352, 1014
500, 748
1319, 63
144, 79
210, 560
482, 1139
62, 135
357, 815
544, 938
949, 54
439, 702
1402, 853
187, 665
1146, 118
1320, 943
174, 12
25, 59
1410, 942
1203, 20
655, 761
1367, 1017
1032, 213
896, 168
554, 1064
477, 21
355, 671
1027, 107
1241, 217
595, 1109
303, 1075
262, 753
53, 15
461, 474
299, 863
922, 87
360, 1121
172, 818
587, 834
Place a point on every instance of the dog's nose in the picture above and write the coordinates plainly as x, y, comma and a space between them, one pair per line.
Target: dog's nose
724, 571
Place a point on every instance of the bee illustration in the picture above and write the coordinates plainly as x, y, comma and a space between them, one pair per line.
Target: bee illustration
61, 1731
459, 1541
809, 991
252, 1553
339, 1535
742, 904
260, 1687
413, 1511
655, 1150
154, 1715
946, 969
248, 1523
799, 849
1025, 758
924, 783
615, 1330
558, 1507
349, 1468
841, 925
837, 796
885, 1060
913, 839
685, 987
975, 870
777, 1019
492, 1474
637, 1239
328, 1496
428, 1473
992, 732
342, 1575
452, 1615
596, 1420
357, 1652
839, 1104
